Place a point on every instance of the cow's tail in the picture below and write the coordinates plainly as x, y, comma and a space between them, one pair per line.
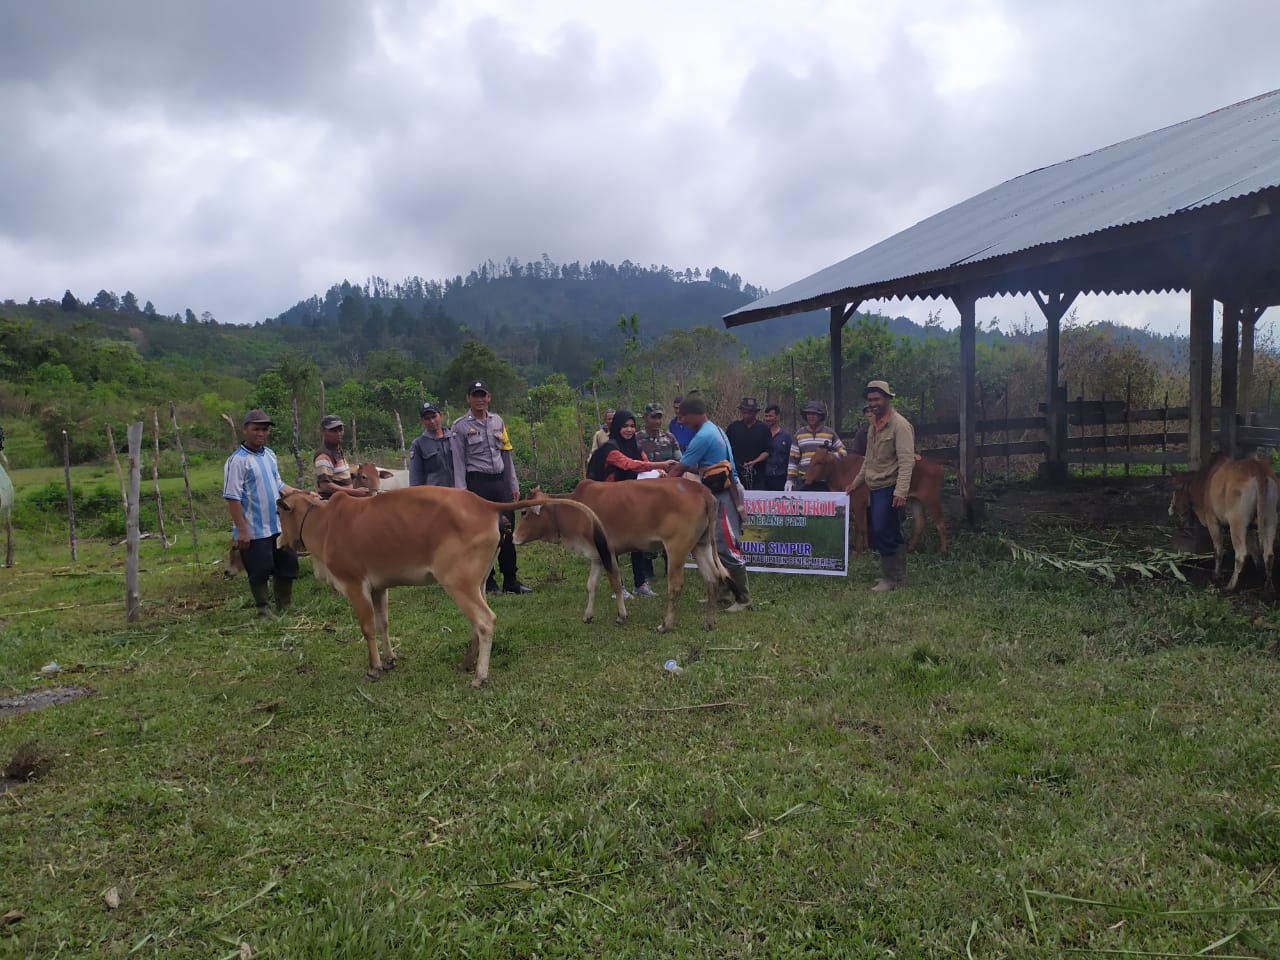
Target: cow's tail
706, 547
597, 529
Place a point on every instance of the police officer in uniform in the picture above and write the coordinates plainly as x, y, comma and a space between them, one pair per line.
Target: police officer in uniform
491, 473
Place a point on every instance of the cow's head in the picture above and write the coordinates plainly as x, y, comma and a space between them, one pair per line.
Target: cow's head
370, 476
821, 463
293, 508
1180, 504
536, 523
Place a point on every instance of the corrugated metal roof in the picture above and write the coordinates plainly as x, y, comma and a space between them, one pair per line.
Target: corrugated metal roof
1224, 155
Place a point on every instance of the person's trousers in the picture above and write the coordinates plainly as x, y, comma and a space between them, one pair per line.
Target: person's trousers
641, 567
775, 483
728, 531
263, 559
884, 522
493, 486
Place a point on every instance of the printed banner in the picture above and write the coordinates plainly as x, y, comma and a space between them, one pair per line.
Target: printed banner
796, 533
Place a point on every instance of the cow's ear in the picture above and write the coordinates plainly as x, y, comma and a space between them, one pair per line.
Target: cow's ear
282, 505
385, 474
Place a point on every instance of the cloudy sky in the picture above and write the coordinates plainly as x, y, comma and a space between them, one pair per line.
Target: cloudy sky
240, 156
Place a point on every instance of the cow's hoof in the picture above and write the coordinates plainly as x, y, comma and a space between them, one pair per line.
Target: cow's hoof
708, 626
389, 664
663, 628
371, 676
620, 621
479, 682
588, 619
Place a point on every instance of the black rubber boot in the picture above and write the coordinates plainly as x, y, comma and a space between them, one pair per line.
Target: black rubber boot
284, 593
262, 598
741, 598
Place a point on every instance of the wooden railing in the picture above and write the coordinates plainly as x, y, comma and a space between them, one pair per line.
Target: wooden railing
1099, 432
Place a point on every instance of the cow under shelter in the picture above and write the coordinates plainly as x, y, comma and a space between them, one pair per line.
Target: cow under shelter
1194, 208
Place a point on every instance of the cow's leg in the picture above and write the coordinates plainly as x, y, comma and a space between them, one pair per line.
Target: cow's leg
615, 581
917, 523
593, 580
468, 594
675, 584
705, 557
934, 508
362, 606
379, 599
1239, 544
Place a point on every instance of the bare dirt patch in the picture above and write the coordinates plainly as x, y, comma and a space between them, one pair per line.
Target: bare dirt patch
41, 698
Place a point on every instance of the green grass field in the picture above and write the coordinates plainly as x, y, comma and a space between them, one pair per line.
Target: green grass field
1000, 761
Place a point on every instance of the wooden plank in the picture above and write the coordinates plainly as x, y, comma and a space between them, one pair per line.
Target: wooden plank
1137, 440
947, 428
1036, 448
1167, 457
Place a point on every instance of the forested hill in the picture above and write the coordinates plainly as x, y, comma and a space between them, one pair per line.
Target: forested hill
560, 317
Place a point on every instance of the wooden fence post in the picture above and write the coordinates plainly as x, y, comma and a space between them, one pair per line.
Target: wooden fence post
186, 481
71, 505
155, 480
404, 454
1128, 428
355, 443
115, 457
1080, 414
131, 602
582, 445
1103, 414
297, 449
235, 440
1164, 437
533, 442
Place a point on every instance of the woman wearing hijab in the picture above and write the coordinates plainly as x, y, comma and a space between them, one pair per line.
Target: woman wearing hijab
623, 461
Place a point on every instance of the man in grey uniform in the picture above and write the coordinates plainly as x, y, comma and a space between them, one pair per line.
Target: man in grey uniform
437, 458
491, 473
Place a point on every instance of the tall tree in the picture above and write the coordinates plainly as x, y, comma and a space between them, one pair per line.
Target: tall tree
69, 303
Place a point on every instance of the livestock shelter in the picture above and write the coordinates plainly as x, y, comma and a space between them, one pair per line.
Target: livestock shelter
1194, 208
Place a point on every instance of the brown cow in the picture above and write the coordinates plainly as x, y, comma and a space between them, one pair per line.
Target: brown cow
363, 545
1236, 493
925, 493
672, 513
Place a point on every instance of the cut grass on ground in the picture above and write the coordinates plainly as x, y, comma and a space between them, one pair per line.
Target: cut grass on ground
1000, 761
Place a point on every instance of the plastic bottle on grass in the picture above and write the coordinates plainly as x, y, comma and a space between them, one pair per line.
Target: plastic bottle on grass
673, 668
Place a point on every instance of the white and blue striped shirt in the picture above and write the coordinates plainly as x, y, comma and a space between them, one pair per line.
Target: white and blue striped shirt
254, 480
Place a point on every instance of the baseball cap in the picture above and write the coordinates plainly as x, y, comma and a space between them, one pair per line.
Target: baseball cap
749, 404
331, 422
651, 408
428, 407
477, 386
257, 416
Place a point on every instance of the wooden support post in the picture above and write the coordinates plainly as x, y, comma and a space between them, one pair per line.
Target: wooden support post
533, 442
297, 446
131, 601
966, 303
71, 503
1230, 367
582, 437
839, 316
1244, 382
1200, 426
1054, 306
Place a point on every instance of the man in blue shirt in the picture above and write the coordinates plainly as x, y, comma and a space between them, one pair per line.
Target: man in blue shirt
251, 484
711, 458
679, 429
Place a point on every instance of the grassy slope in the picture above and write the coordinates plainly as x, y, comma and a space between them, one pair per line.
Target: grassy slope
892, 773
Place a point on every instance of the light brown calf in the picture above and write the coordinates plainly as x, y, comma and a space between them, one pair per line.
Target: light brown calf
1236, 493
370, 476
925, 494
671, 513
364, 545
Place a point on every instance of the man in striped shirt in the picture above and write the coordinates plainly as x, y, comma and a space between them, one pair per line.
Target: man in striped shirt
814, 434
251, 484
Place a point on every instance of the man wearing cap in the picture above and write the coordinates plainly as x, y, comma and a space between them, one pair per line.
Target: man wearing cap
891, 456
750, 441
710, 456
657, 443
814, 434
332, 471
251, 484
491, 473
437, 458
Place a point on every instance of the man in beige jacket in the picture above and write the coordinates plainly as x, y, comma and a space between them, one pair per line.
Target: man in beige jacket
891, 456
